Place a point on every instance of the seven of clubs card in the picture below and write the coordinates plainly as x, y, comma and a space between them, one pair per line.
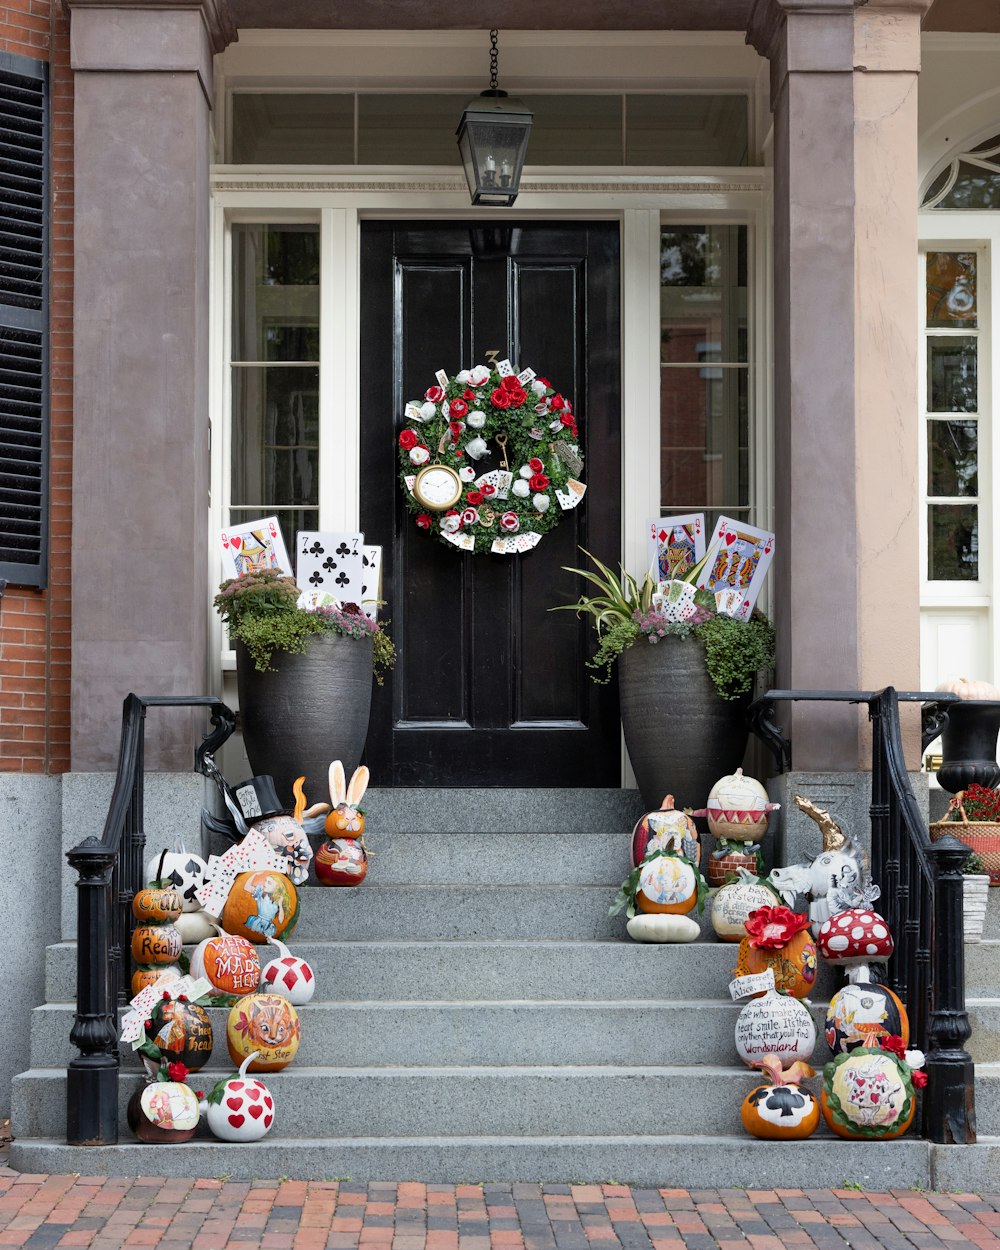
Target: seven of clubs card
332, 563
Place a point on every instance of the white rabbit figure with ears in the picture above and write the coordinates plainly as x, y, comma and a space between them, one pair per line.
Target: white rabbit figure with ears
347, 819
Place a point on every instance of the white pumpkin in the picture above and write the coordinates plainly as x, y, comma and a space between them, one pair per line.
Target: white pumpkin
966, 689
663, 928
244, 1110
738, 808
183, 870
194, 927
288, 976
775, 1024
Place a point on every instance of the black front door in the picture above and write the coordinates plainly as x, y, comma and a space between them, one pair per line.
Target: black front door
490, 688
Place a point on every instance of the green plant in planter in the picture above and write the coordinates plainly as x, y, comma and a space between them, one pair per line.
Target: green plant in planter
624, 616
261, 611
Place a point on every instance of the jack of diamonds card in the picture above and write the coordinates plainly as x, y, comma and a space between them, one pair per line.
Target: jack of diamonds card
330, 562
675, 544
739, 557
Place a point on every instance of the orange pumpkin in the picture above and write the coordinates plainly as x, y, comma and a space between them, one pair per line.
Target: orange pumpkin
229, 963
794, 965
267, 1024
260, 906
344, 820
148, 976
156, 944
156, 905
666, 884
781, 1110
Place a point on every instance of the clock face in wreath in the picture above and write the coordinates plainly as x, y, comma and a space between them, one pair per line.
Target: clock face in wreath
437, 487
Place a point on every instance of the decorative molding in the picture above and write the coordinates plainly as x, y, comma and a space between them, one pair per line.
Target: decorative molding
415, 185
216, 14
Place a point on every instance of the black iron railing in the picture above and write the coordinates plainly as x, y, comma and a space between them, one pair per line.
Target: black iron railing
921, 884
111, 870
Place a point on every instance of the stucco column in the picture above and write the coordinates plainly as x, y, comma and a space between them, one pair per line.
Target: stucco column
844, 100
143, 90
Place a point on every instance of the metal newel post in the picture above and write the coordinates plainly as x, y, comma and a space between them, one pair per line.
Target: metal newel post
92, 1077
950, 1096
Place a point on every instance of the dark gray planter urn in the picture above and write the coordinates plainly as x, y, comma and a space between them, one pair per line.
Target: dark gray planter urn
311, 709
680, 735
969, 745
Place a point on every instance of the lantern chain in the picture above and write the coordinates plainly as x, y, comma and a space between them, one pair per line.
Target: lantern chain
493, 60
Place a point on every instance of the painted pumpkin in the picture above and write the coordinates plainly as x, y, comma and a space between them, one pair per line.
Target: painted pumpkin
267, 1024
239, 1109
156, 905
861, 1013
149, 976
163, 1111
261, 906
181, 871
156, 944
794, 965
288, 976
775, 1024
738, 808
720, 868
288, 839
229, 963
868, 1094
183, 1032
663, 928
665, 830
781, 1110
666, 884
341, 861
734, 902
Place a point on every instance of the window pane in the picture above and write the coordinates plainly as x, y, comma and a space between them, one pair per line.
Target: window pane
703, 294
951, 289
686, 130
952, 458
275, 437
704, 440
952, 375
276, 292
293, 129
953, 542
575, 129
975, 187
409, 129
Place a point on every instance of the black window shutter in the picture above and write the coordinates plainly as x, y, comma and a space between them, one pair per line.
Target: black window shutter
24, 319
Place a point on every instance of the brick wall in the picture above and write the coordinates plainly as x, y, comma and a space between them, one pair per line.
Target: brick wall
35, 625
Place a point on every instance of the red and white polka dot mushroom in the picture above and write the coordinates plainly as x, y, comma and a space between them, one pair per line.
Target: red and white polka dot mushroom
855, 938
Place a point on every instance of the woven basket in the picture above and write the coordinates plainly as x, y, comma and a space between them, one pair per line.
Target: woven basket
981, 836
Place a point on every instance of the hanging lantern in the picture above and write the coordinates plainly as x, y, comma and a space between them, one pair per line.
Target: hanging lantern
493, 141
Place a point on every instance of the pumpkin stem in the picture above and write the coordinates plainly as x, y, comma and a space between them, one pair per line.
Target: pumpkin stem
159, 868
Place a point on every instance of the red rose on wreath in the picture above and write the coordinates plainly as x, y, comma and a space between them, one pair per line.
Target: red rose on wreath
424, 521
458, 407
544, 382
567, 418
510, 383
456, 428
517, 398
557, 403
500, 398
488, 489
468, 393
475, 497
509, 522
538, 481
407, 439
435, 394
535, 465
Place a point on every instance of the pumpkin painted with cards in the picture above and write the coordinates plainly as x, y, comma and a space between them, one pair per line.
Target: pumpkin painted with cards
489, 459
260, 906
182, 1030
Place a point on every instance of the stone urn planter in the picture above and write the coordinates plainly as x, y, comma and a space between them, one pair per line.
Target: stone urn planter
680, 734
306, 711
969, 745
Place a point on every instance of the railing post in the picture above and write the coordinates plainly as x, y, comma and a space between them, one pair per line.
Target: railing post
950, 1096
92, 1077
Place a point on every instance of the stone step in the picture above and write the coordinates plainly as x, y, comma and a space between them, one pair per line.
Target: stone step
371, 1034
982, 969
991, 924
984, 1016
414, 810
469, 1101
718, 1162
583, 858
539, 969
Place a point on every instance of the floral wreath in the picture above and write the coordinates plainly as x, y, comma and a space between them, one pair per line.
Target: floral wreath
513, 442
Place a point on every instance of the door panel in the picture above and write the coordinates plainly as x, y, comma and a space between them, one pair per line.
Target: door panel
490, 687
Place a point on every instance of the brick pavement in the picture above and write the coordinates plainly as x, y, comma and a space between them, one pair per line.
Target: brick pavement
42, 1212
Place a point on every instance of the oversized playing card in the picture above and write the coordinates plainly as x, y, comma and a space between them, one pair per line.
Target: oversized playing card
254, 547
371, 589
331, 562
572, 495
739, 556
675, 544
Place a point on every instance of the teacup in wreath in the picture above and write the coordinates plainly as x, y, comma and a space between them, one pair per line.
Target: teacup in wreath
485, 455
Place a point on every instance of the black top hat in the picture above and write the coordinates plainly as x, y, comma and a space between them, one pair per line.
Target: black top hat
258, 799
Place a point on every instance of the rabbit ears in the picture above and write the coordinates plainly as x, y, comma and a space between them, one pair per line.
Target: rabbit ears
340, 791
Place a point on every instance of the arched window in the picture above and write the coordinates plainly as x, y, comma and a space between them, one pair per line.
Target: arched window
970, 180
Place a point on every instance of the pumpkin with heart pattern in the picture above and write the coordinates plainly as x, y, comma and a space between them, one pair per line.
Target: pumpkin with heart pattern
239, 1108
